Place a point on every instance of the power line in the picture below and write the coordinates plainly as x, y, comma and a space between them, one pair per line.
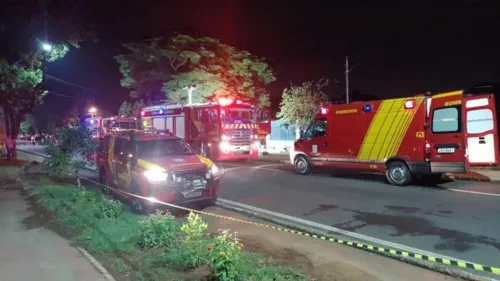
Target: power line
68, 83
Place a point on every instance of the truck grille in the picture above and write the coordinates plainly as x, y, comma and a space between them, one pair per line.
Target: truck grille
241, 137
191, 179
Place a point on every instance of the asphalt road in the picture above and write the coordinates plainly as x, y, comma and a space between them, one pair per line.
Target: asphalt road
446, 219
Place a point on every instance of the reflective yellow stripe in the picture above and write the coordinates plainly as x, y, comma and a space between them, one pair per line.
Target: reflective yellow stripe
448, 94
149, 166
207, 161
408, 117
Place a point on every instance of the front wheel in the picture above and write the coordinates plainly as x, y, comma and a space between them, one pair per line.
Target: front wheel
302, 165
398, 173
103, 181
139, 205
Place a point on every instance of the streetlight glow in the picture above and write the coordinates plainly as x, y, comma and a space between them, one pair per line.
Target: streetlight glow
46, 47
92, 110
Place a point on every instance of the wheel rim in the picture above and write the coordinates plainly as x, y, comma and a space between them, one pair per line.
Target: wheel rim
398, 174
301, 166
136, 204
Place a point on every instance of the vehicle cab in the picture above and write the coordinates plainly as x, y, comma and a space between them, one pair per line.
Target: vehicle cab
157, 166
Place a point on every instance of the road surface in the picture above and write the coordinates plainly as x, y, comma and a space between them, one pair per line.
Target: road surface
448, 220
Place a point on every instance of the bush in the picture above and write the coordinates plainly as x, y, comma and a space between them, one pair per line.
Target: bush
109, 209
194, 241
224, 254
158, 230
83, 196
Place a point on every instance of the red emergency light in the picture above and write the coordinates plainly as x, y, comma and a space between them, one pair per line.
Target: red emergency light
324, 110
239, 102
410, 104
225, 101
143, 113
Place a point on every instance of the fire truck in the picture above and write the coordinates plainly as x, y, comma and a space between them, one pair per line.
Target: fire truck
100, 126
402, 138
223, 130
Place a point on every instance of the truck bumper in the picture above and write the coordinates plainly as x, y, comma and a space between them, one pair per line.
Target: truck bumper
425, 168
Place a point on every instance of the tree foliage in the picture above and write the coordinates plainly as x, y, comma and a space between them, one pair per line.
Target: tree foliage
301, 103
28, 126
131, 109
24, 28
172, 65
72, 151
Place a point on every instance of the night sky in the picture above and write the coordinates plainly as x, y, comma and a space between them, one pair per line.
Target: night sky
400, 48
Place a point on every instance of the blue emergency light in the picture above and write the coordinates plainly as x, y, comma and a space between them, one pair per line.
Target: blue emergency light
91, 121
367, 108
160, 111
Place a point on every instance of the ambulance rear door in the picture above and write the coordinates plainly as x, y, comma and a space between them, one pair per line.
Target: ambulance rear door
480, 130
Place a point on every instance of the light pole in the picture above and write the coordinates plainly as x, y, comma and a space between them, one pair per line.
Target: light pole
190, 90
47, 49
92, 111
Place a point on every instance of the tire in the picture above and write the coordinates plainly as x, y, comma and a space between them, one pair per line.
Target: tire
208, 203
302, 165
398, 173
139, 205
104, 181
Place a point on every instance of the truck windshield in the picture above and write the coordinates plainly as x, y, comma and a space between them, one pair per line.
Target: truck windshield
237, 115
163, 148
123, 124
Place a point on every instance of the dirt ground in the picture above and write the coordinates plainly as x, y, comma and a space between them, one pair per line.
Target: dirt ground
320, 260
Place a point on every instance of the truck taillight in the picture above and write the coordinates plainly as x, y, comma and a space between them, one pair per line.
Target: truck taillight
225, 138
427, 148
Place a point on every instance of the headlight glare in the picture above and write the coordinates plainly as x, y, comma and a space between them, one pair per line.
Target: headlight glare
156, 175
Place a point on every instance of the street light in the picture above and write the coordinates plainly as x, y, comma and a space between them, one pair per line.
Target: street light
46, 47
92, 111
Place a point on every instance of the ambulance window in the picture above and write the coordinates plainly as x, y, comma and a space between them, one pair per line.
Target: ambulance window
446, 120
317, 128
480, 121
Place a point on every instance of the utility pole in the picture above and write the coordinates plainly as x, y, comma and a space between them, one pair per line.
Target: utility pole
190, 90
347, 79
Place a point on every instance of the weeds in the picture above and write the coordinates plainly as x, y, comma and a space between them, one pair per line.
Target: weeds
158, 230
168, 249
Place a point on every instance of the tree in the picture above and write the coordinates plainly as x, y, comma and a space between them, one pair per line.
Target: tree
71, 118
300, 104
130, 109
21, 88
217, 69
28, 126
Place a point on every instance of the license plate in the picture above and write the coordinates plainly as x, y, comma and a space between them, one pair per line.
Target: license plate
192, 194
446, 150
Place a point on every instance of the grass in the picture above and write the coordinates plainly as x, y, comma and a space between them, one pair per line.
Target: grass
116, 241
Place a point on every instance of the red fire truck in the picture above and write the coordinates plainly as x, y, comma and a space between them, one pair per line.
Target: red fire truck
100, 126
226, 130
401, 138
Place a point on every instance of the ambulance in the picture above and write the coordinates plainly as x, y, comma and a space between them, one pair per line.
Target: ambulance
402, 138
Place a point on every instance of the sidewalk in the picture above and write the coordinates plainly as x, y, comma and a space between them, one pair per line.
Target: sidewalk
30, 252
473, 174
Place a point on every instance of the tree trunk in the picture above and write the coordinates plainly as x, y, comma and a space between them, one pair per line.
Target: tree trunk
12, 126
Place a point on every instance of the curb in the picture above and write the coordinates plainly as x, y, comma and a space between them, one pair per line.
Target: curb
96, 264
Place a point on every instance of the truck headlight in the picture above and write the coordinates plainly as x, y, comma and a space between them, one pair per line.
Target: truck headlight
215, 172
156, 176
